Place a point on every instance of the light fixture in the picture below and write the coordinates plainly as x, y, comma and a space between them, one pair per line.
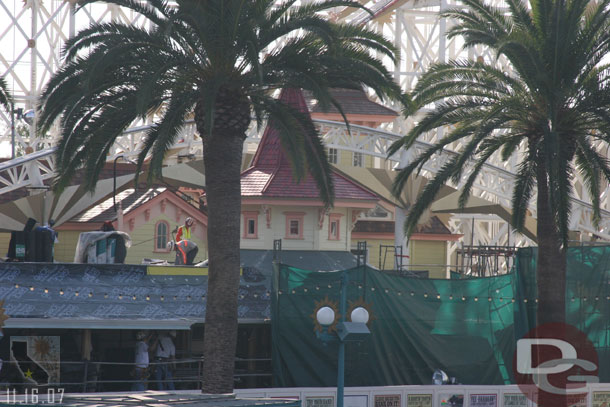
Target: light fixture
360, 314
325, 316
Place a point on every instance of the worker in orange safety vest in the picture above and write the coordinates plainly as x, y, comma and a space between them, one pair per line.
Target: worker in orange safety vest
186, 250
184, 231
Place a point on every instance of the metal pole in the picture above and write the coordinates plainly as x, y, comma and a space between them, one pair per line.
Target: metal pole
114, 182
341, 358
12, 131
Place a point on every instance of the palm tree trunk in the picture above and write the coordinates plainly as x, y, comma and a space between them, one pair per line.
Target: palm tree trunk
551, 265
222, 158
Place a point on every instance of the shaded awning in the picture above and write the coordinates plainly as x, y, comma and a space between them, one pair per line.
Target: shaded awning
475, 205
190, 174
47, 205
79, 323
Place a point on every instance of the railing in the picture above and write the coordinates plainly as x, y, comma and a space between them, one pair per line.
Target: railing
97, 376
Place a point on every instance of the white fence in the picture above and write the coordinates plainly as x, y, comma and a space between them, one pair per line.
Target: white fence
598, 395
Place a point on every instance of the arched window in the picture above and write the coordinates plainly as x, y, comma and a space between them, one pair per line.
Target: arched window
161, 236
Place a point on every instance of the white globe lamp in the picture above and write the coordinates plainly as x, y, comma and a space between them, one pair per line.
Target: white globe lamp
360, 315
325, 316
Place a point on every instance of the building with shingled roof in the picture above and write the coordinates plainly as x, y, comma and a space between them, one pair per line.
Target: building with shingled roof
275, 206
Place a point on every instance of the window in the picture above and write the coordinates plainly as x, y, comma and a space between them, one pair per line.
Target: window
358, 160
161, 236
294, 225
333, 155
250, 224
334, 226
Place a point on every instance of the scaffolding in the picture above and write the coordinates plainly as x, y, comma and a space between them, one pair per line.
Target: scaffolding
483, 261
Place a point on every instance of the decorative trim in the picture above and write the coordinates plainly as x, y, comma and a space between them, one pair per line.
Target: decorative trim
344, 203
163, 205
355, 214
178, 214
146, 214
267, 212
131, 222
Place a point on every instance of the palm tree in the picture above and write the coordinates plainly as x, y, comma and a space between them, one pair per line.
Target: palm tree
5, 97
221, 61
552, 112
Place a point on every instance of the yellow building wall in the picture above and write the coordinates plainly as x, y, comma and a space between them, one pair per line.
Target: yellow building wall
66, 246
425, 253
5, 238
373, 253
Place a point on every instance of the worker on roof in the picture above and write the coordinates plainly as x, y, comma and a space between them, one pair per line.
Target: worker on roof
186, 250
184, 231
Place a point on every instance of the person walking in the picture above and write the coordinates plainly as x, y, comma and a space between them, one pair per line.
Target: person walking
184, 231
166, 361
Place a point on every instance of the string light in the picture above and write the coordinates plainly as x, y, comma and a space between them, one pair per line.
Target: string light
162, 298
61, 291
31, 288
76, 293
16, 285
46, 290
476, 299
90, 294
147, 297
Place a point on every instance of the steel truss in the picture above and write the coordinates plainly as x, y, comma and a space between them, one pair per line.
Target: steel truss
37, 30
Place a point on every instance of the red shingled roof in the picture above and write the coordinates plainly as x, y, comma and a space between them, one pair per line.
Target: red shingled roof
270, 174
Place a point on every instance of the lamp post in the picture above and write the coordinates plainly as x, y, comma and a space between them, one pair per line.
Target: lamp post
353, 331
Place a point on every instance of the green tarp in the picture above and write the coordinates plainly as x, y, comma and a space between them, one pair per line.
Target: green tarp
467, 327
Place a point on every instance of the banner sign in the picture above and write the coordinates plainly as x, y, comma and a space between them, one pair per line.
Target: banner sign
419, 400
515, 400
387, 400
483, 400
320, 401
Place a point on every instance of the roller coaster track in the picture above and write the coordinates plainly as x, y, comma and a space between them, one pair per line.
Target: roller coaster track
36, 30
494, 183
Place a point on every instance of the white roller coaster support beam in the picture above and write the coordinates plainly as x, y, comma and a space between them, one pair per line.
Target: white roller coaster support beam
34, 32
